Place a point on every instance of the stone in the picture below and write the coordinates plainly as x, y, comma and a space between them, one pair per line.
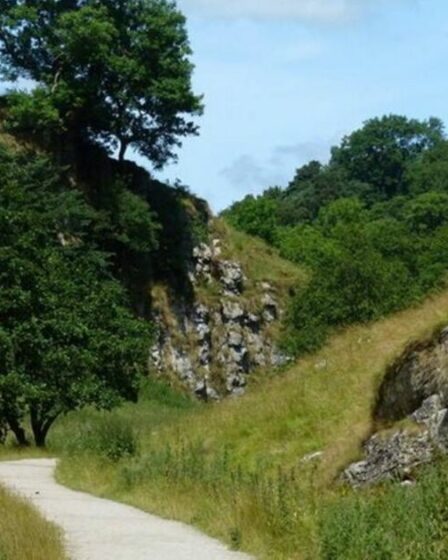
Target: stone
252, 322
236, 384
312, 457
204, 391
393, 457
231, 277
216, 247
390, 458
321, 365
203, 261
204, 355
278, 358
182, 366
202, 252
270, 308
232, 312
234, 339
428, 410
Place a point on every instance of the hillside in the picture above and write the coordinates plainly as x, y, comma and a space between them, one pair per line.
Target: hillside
246, 470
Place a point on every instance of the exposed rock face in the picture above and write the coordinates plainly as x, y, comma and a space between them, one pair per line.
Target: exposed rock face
393, 457
212, 346
420, 372
416, 387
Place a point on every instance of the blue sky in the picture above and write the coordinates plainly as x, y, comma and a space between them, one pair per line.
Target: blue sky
284, 80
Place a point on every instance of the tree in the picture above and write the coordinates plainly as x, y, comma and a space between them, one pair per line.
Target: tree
380, 152
256, 215
67, 337
118, 72
430, 172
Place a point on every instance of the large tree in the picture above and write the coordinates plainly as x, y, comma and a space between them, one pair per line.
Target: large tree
67, 337
118, 71
380, 152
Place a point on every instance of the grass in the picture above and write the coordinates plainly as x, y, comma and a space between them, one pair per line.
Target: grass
260, 261
235, 469
392, 523
24, 534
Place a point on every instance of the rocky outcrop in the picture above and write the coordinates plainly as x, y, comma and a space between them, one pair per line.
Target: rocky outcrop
415, 387
394, 456
420, 372
213, 343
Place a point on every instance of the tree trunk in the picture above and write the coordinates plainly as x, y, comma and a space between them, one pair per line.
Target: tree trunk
18, 431
41, 427
123, 149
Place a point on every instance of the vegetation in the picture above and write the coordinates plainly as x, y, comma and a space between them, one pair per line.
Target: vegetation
67, 336
396, 522
25, 534
85, 240
118, 74
371, 226
235, 469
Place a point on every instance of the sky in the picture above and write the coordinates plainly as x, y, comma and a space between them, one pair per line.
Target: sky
284, 80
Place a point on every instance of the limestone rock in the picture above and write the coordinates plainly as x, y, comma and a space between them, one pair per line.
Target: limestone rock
232, 311
231, 277
270, 308
394, 456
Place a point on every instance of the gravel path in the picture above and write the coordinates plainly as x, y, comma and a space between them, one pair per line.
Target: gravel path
97, 529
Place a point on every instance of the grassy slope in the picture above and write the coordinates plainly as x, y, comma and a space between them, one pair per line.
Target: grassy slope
260, 261
24, 534
221, 469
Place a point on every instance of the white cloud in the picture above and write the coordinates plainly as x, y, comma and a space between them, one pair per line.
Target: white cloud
317, 10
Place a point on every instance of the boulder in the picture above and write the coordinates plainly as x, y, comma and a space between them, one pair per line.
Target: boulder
232, 312
394, 456
270, 308
231, 277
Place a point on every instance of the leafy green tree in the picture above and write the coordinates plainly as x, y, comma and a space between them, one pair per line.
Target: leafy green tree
380, 152
67, 337
116, 72
430, 171
256, 215
315, 186
427, 212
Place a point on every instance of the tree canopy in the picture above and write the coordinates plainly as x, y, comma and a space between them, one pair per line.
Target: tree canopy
371, 226
118, 73
67, 336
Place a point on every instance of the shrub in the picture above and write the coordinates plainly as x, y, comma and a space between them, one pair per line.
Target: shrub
105, 435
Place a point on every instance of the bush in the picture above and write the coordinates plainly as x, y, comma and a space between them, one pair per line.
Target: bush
105, 435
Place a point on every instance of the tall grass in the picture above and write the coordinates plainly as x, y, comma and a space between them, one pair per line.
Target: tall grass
24, 534
393, 522
236, 469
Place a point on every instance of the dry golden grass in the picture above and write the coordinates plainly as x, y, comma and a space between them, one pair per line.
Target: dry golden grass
24, 534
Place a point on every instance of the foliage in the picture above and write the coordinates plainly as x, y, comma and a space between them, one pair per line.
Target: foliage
371, 226
255, 216
378, 154
67, 336
394, 522
118, 73
111, 438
